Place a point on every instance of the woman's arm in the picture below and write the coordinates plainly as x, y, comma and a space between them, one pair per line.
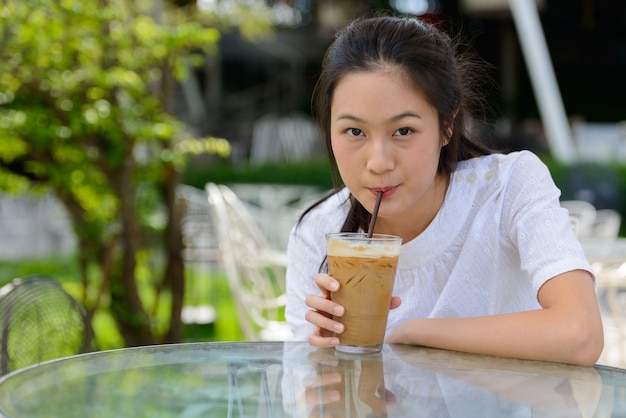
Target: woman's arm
568, 329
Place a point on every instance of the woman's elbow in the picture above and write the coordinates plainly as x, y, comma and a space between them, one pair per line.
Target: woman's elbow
585, 343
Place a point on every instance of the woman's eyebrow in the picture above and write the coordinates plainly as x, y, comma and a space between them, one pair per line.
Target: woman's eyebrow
349, 117
403, 115
398, 117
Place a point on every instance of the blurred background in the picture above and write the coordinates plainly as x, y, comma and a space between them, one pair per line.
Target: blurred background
114, 116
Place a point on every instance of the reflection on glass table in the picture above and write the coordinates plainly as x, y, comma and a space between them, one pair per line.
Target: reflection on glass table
293, 379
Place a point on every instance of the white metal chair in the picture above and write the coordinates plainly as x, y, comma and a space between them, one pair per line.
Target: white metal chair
611, 284
276, 207
582, 214
256, 272
606, 224
197, 226
292, 137
200, 254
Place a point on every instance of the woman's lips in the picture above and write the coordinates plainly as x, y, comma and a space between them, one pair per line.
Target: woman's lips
387, 191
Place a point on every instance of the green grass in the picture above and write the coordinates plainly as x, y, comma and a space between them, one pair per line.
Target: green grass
206, 285
63, 269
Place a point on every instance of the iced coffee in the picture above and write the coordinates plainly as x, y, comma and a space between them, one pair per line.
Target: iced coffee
365, 268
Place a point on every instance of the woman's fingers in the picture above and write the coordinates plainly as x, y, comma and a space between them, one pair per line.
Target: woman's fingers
326, 283
395, 302
317, 340
327, 325
324, 305
325, 329
322, 311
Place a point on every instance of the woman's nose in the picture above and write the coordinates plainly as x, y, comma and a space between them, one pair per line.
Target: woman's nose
380, 156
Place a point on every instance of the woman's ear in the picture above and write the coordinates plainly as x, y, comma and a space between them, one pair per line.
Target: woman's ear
450, 128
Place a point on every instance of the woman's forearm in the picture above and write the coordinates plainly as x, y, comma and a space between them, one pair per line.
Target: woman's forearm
568, 329
535, 335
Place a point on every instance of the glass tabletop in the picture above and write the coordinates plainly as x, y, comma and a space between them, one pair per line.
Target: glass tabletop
294, 379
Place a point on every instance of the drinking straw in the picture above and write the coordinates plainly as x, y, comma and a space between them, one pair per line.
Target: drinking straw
370, 231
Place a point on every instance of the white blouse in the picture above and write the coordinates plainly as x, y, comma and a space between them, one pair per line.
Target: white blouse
498, 237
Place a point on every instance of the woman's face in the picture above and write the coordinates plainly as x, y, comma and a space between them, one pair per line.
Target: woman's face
386, 137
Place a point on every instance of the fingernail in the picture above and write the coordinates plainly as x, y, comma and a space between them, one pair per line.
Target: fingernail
338, 327
334, 286
338, 310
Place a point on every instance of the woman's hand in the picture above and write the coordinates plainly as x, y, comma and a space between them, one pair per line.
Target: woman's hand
323, 309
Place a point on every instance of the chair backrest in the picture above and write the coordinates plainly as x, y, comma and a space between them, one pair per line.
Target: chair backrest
199, 240
610, 279
40, 322
582, 214
255, 271
606, 224
276, 208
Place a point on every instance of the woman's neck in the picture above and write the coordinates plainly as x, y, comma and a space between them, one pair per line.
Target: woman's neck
409, 229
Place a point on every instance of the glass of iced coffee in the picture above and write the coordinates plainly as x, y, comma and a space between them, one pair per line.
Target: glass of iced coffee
365, 267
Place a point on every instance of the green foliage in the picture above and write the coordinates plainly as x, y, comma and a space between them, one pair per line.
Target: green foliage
606, 181
315, 172
253, 19
85, 92
63, 268
79, 96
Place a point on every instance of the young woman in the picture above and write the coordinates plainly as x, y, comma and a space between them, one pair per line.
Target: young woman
489, 261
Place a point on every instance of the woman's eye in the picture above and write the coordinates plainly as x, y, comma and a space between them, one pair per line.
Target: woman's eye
404, 131
354, 132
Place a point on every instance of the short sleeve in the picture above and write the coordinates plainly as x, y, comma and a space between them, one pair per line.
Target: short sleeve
537, 224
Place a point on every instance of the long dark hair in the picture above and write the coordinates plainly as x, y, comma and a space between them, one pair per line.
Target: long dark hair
429, 59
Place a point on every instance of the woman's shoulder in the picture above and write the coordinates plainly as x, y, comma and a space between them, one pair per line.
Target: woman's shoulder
500, 166
501, 161
492, 177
